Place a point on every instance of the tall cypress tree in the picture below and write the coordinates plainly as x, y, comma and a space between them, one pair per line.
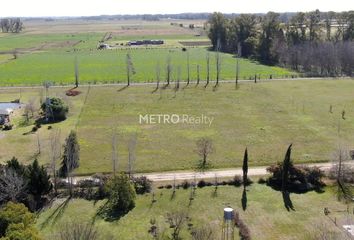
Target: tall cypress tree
245, 167
286, 166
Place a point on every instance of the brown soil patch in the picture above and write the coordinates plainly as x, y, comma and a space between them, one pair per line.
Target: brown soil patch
72, 93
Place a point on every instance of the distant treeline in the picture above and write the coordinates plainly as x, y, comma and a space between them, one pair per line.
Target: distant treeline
156, 17
316, 43
11, 25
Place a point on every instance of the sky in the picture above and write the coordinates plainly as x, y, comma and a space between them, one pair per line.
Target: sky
36, 8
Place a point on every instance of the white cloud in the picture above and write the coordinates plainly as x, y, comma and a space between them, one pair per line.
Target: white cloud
98, 7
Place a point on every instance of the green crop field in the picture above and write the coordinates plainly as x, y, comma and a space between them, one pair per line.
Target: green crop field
47, 52
265, 215
265, 117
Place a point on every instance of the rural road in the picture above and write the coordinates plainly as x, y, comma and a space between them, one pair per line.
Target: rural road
182, 82
189, 175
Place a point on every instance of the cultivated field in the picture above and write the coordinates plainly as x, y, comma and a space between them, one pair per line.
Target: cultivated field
266, 221
46, 52
265, 117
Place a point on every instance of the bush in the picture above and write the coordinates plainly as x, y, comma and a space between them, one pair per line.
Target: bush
58, 109
236, 181
300, 180
16, 222
121, 197
142, 185
7, 127
185, 184
201, 184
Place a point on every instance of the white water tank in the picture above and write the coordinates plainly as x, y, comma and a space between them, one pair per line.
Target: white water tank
228, 214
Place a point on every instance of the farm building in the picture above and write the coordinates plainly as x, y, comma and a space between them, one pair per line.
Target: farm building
145, 42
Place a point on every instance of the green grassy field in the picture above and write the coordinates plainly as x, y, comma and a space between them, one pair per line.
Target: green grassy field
109, 66
266, 221
47, 51
265, 117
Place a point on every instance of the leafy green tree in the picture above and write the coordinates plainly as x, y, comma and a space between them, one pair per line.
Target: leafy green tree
121, 196
38, 181
55, 109
218, 30
270, 30
17, 223
246, 34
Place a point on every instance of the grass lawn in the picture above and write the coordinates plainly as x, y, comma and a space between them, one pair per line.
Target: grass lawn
265, 117
108, 66
265, 214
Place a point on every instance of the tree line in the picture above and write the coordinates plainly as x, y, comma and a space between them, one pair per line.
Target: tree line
11, 25
316, 43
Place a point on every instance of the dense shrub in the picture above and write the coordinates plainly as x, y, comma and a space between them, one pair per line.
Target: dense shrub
142, 185
244, 231
201, 184
16, 223
55, 109
185, 184
300, 180
236, 181
121, 197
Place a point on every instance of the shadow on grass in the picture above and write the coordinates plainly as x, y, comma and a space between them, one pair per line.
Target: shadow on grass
58, 212
108, 214
123, 88
244, 199
288, 204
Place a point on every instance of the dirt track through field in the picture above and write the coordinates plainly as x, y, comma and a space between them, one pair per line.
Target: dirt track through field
189, 175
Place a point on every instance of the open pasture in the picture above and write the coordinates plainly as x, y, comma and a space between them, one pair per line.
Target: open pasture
265, 117
46, 51
265, 215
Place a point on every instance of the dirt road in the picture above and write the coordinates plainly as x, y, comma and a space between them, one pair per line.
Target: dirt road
189, 175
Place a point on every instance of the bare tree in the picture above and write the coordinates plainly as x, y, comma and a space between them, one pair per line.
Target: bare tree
218, 63
130, 68
131, 156
203, 233
71, 158
238, 55
78, 231
178, 79
188, 69
168, 70
204, 148
55, 153
12, 186
343, 173
114, 153
76, 73
198, 74
38, 143
158, 74
177, 220
207, 69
